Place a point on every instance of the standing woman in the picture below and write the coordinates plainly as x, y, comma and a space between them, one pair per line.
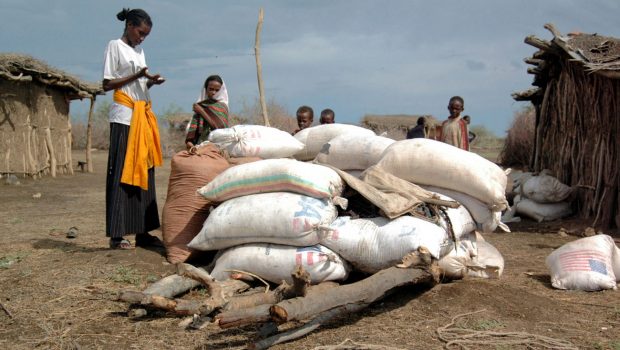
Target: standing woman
131, 205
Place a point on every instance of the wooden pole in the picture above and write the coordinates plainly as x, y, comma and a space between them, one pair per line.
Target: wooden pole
259, 69
89, 136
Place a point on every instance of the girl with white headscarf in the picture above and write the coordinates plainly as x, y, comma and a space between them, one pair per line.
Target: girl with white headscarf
210, 111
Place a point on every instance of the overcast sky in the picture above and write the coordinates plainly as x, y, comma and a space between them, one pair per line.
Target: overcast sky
356, 57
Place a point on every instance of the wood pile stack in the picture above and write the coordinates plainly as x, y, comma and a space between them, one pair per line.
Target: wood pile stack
236, 303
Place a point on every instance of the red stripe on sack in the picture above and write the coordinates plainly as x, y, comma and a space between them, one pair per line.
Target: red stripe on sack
310, 258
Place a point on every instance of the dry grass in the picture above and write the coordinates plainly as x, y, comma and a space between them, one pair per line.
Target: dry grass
519, 143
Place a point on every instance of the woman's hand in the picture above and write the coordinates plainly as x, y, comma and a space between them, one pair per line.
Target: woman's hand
154, 79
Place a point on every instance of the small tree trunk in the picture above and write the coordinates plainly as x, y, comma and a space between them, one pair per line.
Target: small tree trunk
89, 137
259, 69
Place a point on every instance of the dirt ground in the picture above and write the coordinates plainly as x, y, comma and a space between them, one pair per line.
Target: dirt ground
60, 293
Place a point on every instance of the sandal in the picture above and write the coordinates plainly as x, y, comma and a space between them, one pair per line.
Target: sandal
122, 244
147, 240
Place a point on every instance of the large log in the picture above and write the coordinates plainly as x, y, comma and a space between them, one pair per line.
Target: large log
363, 292
171, 286
237, 317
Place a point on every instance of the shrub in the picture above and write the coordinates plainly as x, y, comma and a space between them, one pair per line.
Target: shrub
251, 113
519, 144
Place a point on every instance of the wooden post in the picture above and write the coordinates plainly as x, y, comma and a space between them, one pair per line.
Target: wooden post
89, 136
259, 70
69, 158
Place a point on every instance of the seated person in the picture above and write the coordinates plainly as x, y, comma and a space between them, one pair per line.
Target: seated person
211, 112
419, 130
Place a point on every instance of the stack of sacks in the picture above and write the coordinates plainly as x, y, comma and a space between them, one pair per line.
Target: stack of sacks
590, 264
185, 211
472, 256
543, 198
471, 180
284, 202
256, 141
316, 137
371, 245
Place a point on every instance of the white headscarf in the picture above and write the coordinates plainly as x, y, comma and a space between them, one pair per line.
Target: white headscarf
220, 96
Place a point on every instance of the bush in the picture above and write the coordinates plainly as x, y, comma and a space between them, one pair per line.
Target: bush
251, 113
100, 129
519, 144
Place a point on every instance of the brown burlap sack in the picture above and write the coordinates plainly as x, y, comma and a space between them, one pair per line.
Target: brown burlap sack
185, 211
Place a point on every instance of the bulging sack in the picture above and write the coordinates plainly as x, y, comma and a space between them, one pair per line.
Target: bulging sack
542, 211
434, 163
256, 141
274, 175
278, 217
454, 265
486, 219
545, 189
353, 151
488, 262
315, 137
276, 263
584, 264
371, 245
185, 211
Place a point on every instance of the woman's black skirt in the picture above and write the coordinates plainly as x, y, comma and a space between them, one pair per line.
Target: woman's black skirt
129, 209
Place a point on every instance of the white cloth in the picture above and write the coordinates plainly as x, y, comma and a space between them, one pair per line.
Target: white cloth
121, 60
220, 96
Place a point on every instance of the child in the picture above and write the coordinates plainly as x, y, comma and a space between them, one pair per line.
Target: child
211, 111
327, 116
305, 117
454, 129
470, 135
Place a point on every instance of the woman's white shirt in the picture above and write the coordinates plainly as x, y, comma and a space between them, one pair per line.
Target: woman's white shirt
122, 60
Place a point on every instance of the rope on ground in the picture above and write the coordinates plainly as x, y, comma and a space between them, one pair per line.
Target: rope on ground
349, 344
457, 336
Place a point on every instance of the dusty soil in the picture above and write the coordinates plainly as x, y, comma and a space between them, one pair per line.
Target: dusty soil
60, 293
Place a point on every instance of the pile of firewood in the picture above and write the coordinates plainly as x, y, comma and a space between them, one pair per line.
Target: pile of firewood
236, 302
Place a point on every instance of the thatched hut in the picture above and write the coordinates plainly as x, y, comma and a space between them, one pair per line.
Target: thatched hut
577, 101
396, 125
35, 128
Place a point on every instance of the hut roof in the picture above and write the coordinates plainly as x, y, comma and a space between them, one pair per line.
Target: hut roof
19, 67
597, 54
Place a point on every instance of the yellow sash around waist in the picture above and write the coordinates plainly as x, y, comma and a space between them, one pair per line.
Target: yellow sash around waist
143, 145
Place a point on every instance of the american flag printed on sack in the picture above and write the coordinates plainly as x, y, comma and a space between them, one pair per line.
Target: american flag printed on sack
585, 260
311, 255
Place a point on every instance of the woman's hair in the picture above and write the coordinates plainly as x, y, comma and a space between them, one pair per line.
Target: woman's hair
213, 78
421, 121
134, 17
